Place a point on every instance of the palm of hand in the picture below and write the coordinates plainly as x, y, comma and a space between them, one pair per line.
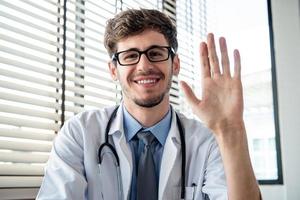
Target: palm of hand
221, 105
222, 102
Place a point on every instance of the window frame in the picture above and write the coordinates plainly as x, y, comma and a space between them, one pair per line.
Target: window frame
279, 180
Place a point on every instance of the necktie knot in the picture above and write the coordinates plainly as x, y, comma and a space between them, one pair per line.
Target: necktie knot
147, 137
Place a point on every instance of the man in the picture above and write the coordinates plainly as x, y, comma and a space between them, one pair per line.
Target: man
143, 151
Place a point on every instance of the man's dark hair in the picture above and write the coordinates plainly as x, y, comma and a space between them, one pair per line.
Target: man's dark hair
134, 21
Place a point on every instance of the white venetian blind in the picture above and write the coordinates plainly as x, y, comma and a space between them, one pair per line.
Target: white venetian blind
191, 27
140, 4
169, 8
87, 80
30, 59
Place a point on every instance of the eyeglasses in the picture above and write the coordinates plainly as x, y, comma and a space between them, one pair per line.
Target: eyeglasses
133, 56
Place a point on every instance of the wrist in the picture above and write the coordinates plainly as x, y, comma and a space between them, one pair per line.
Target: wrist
231, 134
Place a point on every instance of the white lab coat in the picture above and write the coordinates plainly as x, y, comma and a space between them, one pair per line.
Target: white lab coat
72, 171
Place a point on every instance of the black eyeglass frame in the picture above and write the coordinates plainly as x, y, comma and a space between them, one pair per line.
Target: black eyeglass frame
115, 56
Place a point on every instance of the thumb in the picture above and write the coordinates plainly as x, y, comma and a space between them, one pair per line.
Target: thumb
189, 94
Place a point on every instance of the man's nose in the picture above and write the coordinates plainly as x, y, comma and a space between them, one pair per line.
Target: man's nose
144, 63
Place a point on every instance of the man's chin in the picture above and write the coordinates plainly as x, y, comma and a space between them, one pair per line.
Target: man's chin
149, 103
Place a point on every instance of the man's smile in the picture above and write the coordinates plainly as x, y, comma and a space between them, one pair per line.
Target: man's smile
147, 81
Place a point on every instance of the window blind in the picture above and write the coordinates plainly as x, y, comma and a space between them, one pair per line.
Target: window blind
191, 27
30, 56
87, 83
169, 8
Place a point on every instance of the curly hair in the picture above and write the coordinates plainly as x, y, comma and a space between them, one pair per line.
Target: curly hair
134, 21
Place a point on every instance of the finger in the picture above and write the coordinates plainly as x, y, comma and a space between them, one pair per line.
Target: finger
205, 68
237, 64
224, 57
189, 94
212, 54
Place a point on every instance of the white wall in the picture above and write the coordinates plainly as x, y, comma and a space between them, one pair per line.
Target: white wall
286, 26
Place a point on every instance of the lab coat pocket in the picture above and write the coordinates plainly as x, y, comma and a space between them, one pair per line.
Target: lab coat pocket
189, 193
110, 177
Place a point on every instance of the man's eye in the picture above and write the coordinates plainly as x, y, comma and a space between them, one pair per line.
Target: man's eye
130, 56
155, 54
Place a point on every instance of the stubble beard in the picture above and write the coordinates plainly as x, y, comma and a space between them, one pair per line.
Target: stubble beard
150, 102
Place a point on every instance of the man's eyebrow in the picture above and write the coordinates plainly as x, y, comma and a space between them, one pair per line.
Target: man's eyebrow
137, 49
130, 49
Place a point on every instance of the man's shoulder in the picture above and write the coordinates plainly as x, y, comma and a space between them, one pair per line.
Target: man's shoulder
87, 123
93, 114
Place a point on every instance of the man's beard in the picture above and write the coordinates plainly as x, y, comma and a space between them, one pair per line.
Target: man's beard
151, 102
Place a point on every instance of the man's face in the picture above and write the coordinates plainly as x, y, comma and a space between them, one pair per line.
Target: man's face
146, 83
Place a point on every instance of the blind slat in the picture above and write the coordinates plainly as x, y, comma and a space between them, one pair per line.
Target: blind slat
25, 99
25, 145
32, 90
29, 123
19, 193
23, 157
20, 181
21, 169
20, 133
28, 112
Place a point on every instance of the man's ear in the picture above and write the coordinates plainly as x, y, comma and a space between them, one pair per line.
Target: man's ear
113, 70
176, 65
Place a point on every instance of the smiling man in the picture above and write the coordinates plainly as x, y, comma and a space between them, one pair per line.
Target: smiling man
143, 149
146, 66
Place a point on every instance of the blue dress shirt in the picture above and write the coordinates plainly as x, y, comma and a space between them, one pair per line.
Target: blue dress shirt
160, 130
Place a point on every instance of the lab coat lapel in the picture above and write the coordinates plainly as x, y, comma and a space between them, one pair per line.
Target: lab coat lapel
171, 155
123, 150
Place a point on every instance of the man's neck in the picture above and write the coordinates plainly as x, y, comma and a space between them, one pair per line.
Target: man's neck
148, 116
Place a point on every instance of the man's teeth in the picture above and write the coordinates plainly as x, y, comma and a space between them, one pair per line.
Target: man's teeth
146, 81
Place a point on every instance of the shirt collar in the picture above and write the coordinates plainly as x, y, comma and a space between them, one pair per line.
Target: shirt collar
160, 130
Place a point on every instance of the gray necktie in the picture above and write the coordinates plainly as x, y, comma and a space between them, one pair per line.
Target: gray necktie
146, 177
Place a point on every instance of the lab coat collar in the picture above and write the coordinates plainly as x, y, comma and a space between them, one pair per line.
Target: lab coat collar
117, 124
171, 157
123, 150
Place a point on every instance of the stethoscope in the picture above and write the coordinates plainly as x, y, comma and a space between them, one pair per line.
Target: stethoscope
112, 148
